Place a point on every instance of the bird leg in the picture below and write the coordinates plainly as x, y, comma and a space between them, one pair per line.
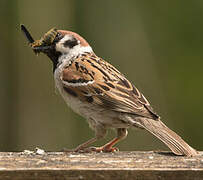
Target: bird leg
121, 134
108, 147
99, 134
82, 146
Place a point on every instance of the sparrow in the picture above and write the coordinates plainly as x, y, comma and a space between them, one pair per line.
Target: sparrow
99, 92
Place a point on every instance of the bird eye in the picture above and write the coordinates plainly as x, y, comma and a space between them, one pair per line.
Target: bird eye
70, 43
58, 37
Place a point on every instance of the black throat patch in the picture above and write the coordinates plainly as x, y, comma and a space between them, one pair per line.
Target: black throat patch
54, 56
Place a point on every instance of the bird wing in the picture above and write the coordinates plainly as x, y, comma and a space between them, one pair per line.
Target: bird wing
93, 80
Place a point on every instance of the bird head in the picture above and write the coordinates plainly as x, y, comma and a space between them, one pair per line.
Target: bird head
58, 43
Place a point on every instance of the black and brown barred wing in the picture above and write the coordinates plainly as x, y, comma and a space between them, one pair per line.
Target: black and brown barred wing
95, 81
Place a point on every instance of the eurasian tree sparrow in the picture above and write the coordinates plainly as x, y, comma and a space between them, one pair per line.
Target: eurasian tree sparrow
99, 92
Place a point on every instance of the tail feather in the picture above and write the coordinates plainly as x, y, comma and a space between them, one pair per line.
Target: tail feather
177, 145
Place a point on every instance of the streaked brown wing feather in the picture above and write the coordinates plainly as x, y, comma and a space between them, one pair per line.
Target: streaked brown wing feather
100, 83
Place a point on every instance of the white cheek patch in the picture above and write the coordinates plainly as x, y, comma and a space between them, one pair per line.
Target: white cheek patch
69, 53
61, 48
60, 45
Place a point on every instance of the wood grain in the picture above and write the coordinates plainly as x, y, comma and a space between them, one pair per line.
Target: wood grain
119, 165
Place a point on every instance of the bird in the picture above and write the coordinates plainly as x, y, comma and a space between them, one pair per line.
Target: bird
100, 93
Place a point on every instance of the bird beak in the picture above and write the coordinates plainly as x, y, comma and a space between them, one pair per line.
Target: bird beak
45, 44
41, 48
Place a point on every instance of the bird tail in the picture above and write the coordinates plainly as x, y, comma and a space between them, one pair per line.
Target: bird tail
177, 145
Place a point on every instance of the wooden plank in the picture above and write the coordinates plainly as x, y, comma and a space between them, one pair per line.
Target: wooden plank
119, 165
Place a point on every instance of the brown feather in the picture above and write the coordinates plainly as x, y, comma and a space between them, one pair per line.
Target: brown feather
167, 136
116, 90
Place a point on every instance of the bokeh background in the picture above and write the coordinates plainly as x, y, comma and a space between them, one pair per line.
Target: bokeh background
156, 44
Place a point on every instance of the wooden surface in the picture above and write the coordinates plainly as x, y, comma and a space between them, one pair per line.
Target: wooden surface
119, 165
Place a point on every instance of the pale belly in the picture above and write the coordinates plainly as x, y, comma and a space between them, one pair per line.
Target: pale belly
94, 115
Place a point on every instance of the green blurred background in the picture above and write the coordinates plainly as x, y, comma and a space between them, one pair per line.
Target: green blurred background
156, 44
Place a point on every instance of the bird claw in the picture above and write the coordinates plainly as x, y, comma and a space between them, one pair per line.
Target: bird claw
92, 149
102, 149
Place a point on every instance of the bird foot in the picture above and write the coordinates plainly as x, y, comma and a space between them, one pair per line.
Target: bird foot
102, 149
92, 149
